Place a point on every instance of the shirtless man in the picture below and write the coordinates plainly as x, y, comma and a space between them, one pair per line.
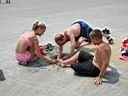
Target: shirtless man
27, 47
77, 33
88, 64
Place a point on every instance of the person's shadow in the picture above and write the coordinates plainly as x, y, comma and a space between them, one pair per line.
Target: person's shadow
37, 63
111, 75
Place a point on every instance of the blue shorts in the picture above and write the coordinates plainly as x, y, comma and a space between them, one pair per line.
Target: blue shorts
85, 30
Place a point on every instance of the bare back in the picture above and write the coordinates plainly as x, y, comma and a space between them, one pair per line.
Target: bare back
103, 54
24, 42
75, 29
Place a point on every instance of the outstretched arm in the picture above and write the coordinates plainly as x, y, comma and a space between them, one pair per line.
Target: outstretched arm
71, 60
45, 58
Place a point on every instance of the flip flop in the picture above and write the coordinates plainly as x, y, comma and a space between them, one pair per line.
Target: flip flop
111, 41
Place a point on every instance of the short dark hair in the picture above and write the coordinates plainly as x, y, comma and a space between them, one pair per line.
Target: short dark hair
96, 33
59, 37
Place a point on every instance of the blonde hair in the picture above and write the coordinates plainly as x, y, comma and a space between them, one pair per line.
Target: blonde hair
38, 24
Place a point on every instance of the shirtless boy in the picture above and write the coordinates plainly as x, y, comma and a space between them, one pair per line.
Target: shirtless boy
77, 33
88, 64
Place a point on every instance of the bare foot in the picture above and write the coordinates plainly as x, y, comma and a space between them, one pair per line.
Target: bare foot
22, 63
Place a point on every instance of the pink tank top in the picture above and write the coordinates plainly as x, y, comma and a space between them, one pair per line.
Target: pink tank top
28, 41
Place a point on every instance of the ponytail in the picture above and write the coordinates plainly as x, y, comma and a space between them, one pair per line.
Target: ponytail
37, 25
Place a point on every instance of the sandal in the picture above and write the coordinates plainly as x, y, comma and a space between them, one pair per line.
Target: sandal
106, 31
110, 40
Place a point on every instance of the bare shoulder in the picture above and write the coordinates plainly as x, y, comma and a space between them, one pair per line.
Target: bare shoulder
68, 33
35, 39
104, 46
